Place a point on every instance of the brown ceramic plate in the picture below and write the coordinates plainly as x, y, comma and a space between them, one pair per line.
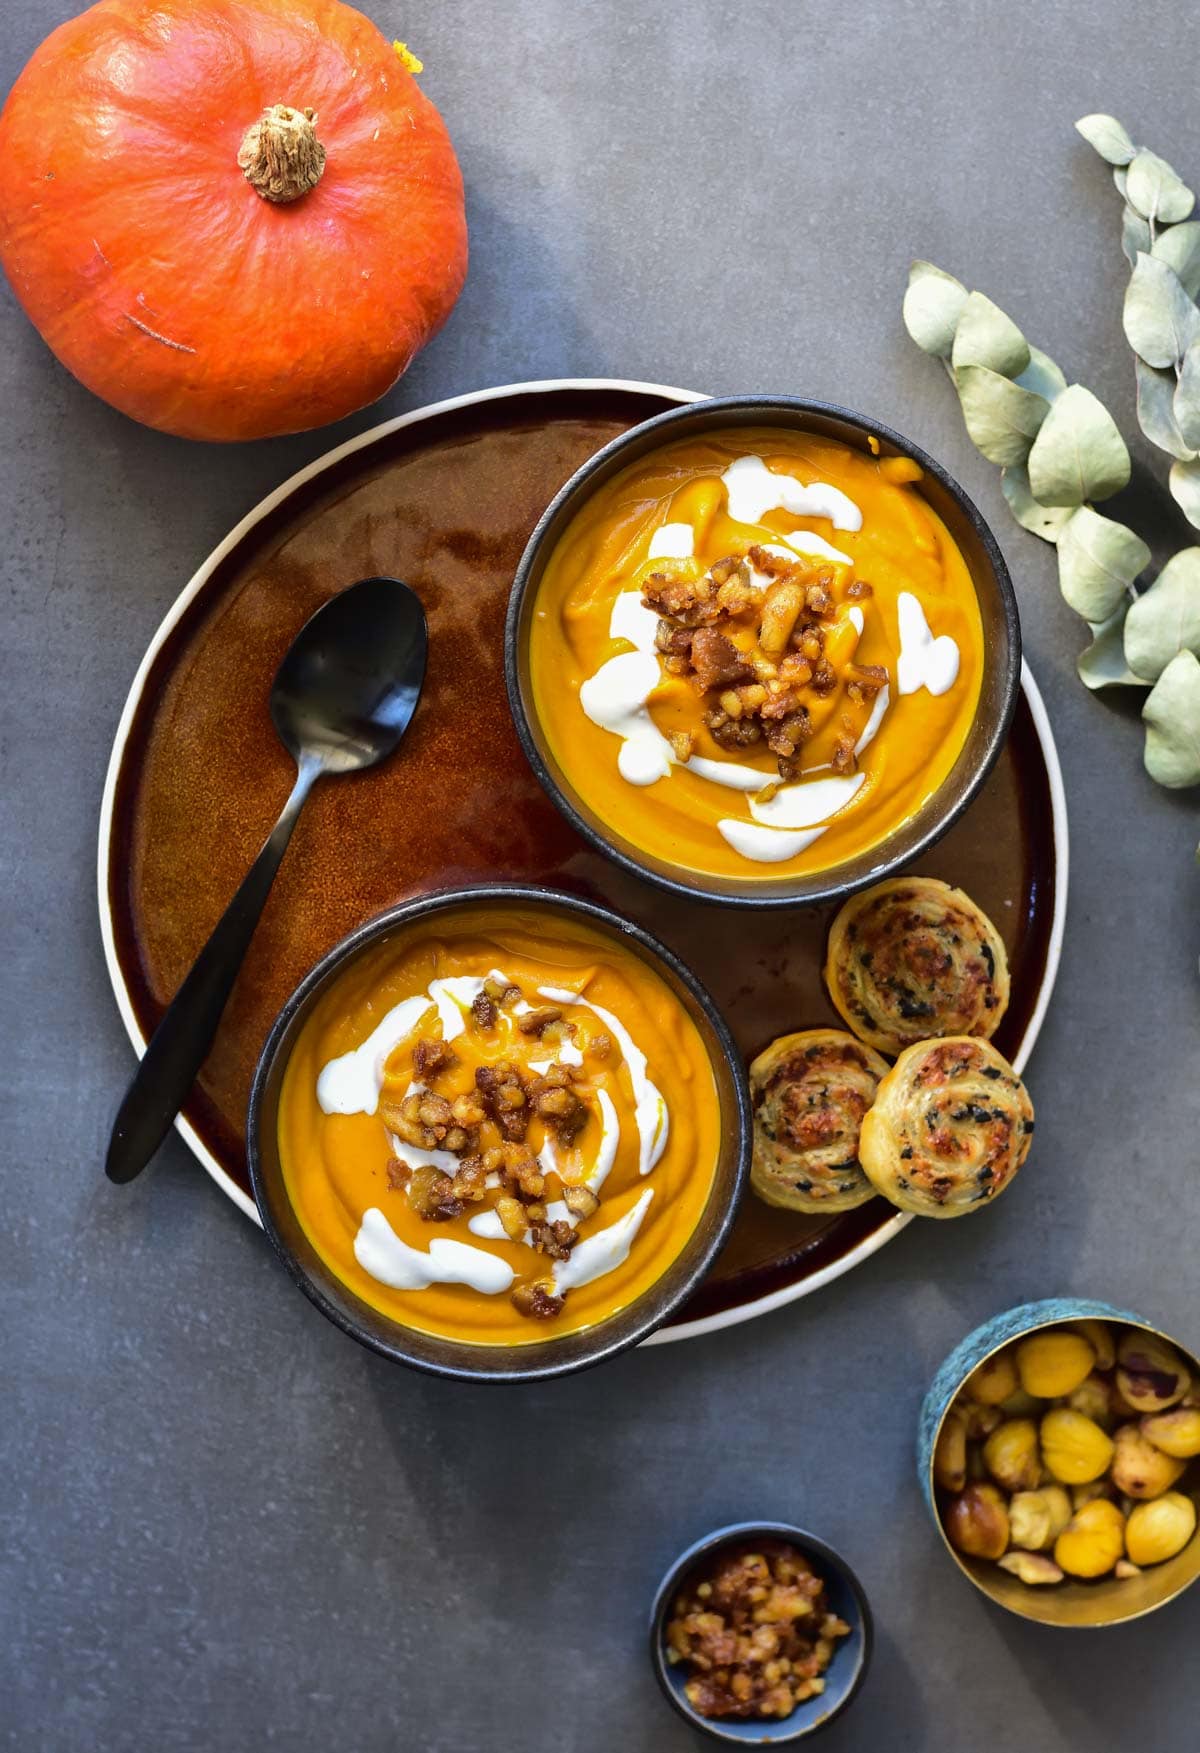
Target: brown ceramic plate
445, 498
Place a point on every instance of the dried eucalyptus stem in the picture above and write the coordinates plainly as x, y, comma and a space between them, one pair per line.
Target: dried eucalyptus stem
1060, 449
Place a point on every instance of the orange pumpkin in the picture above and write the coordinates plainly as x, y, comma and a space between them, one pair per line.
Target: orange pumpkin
229, 218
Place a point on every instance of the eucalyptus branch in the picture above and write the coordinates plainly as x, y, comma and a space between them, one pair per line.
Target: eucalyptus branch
1060, 450
1162, 323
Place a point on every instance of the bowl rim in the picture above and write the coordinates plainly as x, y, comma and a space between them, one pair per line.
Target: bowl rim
824, 887
811, 1544
1034, 1319
403, 914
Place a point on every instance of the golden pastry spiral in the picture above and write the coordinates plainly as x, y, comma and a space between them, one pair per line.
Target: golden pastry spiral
912, 958
951, 1125
809, 1092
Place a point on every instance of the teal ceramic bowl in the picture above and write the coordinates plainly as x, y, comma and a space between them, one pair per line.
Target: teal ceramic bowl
1109, 1600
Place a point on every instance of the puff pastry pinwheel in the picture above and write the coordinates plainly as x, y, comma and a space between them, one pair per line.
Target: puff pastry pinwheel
951, 1125
809, 1092
913, 957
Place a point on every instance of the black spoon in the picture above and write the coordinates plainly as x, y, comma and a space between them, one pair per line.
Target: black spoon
342, 698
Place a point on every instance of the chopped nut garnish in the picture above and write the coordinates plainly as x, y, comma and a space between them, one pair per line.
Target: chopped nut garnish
431, 1195
520, 1170
673, 641
436, 1196
728, 569
470, 1180
434, 1112
431, 1057
781, 610
691, 603
468, 1110
732, 733
554, 1101
506, 1095
717, 660
422, 1119
553, 1239
530, 1179
429, 1122
580, 1201
755, 1632
537, 1300
511, 1213
843, 758
755, 685
504, 1098
774, 565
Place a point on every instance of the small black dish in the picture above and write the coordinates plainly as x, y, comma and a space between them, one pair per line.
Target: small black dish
843, 1677
997, 606
551, 1356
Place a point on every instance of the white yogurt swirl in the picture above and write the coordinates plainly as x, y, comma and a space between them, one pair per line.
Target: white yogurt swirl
617, 697
382, 1253
352, 1083
924, 662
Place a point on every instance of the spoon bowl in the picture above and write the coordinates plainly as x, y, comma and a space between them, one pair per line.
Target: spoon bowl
342, 698
349, 682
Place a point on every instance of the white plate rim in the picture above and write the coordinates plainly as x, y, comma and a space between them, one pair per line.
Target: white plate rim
1058, 809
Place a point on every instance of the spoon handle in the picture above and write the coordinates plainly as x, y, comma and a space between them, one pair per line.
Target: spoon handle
179, 1044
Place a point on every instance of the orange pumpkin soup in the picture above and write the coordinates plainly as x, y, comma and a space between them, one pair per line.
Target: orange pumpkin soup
757, 653
498, 1128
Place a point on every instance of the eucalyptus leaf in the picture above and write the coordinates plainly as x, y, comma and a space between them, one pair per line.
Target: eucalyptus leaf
1040, 520
1108, 137
987, 336
1078, 453
1041, 375
1135, 234
1184, 482
1154, 189
1156, 410
1121, 178
1172, 715
1186, 401
1103, 664
1165, 619
1097, 562
932, 306
1002, 418
1160, 319
1179, 247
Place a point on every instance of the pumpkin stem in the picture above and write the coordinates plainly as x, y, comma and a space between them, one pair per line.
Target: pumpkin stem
281, 156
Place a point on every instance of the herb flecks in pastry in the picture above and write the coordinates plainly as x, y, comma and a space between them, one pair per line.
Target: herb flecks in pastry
810, 1092
951, 1125
914, 958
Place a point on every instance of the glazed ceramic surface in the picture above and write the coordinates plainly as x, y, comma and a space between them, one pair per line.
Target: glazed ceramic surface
446, 499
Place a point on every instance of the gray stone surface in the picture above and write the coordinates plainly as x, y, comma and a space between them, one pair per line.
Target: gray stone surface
225, 1527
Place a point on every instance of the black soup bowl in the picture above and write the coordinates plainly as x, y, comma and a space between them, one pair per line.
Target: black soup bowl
1001, 654
543, 1357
